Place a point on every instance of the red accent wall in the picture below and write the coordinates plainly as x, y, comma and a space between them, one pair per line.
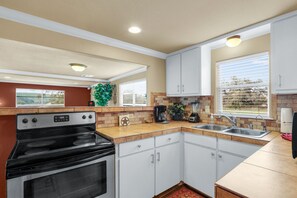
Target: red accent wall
7, 141
74, 96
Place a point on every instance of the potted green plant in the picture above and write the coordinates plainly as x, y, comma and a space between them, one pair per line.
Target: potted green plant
103, 93
176, 111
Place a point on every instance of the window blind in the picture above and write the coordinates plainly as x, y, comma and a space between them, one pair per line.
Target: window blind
243, 85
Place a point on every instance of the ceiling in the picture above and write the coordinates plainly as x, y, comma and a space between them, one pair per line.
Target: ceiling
168, 25
20, 58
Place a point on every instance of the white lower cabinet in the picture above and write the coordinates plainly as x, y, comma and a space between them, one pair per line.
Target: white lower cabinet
136, 175
167, 167
226, 162
148, 167
145, 170
200, 168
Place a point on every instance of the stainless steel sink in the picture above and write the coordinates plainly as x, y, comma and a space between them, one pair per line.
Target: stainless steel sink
233, 130
214, 127
246, 132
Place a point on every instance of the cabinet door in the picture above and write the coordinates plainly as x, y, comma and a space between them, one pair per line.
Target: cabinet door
200, 168
173, 75
136, 175
191, 76
167, 167
227, 162
283, 56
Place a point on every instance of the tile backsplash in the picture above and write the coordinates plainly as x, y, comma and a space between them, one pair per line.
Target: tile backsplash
273, 124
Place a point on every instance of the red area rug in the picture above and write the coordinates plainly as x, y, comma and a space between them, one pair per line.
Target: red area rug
184, 192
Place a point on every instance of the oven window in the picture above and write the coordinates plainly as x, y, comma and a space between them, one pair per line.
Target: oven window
87, 182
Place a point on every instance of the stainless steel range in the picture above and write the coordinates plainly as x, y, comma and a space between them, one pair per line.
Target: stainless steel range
60, 155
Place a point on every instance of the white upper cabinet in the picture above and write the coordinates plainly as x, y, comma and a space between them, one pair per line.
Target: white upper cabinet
283, 56
189, 73
173, 77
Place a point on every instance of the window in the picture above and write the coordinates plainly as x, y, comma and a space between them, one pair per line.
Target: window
133, 93
38, 97
243, 85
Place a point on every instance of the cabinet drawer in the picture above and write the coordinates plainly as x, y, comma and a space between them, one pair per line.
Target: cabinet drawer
238, 148
167, 139
135, 146
201, 140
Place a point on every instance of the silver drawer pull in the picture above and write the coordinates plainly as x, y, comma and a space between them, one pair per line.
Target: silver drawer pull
212, 154
220, 156
139, 146
159, 156
153, 158
169, 139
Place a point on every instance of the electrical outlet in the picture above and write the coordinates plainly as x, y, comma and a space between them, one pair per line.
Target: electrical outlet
207, 109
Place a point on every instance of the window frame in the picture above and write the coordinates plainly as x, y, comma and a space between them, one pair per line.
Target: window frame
41, 105
217, 94
133, 104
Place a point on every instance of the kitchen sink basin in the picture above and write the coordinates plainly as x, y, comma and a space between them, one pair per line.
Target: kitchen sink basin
246, 132
214, 127
233, 130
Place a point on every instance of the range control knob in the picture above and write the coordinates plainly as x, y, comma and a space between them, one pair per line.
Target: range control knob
34, 120
25, 120
84, 117
90, 116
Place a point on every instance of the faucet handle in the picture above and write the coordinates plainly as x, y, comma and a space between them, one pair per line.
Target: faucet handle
251, 126
264, 128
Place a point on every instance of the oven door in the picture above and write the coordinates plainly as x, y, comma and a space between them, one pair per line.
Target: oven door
92, 179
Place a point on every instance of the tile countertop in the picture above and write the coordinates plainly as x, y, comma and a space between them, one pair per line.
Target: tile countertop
270, 172
141, 131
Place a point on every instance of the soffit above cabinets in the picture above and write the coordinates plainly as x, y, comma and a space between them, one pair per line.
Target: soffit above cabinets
167, 25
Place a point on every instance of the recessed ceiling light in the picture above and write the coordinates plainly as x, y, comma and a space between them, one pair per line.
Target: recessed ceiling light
87, 75
134, 30
233, 41
78, 67
7, 77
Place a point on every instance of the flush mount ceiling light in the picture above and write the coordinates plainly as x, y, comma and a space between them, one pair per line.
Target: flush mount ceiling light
78, 67
134, 30
233, 41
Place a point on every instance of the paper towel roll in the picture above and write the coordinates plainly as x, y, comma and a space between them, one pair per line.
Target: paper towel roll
286, 120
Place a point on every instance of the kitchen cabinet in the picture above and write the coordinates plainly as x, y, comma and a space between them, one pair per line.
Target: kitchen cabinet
167, 167
200, 168
148, 167
283, 56
173, 77
200, 162
136, 175
207, 159
188, 73
232, 153
226, 162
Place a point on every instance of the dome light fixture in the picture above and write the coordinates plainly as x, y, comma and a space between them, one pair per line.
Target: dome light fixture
78, 67
233, 41
134, 30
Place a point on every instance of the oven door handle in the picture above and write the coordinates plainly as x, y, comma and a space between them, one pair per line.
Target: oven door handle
59, 163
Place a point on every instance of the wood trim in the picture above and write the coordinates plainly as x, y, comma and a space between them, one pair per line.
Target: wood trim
14, 111
222, 193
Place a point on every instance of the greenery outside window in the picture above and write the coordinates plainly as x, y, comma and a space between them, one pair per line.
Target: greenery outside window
39, 98
243, 85
133, 93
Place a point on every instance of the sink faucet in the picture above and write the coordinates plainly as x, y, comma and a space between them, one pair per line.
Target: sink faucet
264, 127
231, 119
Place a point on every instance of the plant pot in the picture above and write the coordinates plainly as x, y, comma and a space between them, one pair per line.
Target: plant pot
177, 117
